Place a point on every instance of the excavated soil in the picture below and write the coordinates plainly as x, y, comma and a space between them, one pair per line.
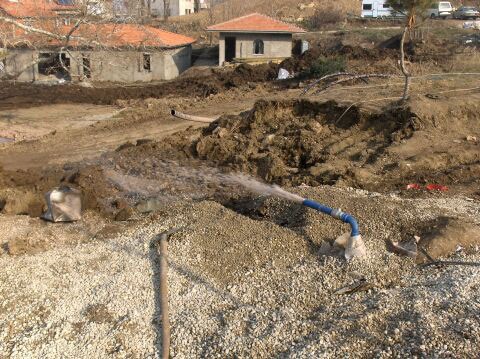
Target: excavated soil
290, 143
218, 80
304, 142
249, 275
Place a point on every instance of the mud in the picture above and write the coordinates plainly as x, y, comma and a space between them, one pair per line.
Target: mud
444, 235
290, 143
371, 57
13, 95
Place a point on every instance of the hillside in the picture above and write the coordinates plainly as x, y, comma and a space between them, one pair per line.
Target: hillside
284, 9
287, 10
331, 12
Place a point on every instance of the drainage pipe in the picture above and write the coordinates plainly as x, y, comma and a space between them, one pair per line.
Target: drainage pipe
335, 213
186, 117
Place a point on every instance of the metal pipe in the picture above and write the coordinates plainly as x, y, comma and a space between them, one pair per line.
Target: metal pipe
186, 117
164, 295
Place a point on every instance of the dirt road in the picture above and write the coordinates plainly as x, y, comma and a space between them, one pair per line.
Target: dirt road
69, 133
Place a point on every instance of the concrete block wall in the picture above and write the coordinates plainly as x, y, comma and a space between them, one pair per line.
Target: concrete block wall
176, 61
275, 45
23, 61
108, 66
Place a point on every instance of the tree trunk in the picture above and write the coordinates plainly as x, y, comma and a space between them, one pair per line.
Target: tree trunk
166, 9
406, 90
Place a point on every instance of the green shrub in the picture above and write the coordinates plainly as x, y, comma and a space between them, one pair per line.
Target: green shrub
326, 65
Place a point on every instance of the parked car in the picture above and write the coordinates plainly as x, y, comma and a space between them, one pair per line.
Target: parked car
442, 9
466, 12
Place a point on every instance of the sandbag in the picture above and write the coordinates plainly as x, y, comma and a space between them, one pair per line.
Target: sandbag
64, 205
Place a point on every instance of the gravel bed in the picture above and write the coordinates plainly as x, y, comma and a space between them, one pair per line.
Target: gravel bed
241, 287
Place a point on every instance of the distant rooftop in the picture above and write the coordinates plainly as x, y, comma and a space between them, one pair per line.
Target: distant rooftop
35, 8
113, 36
255, 23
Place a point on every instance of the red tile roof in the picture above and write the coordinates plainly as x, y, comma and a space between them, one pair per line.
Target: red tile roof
125, 35
33, 8
99, 36
255, 23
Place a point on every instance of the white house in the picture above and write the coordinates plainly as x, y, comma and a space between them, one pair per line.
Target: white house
202, 5
177, 7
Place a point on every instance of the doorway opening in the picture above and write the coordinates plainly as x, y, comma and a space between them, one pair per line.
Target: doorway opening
230, 48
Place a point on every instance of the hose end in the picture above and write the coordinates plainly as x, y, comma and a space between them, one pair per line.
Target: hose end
355, 248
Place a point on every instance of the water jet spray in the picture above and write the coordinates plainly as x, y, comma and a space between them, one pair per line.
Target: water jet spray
352, 242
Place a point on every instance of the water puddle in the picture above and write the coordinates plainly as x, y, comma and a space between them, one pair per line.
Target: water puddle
6, 140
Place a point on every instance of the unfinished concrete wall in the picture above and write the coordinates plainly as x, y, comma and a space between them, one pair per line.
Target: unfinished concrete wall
176, 61
25, 63
22, 62
107, 66
275, 45
123, 66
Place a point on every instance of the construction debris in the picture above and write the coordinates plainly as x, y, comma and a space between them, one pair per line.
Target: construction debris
283, 74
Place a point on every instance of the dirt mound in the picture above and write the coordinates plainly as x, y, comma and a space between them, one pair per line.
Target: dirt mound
304, 142
16, 94
335, 49
444, 236
432, 49
291, 142
295, 142
23, 191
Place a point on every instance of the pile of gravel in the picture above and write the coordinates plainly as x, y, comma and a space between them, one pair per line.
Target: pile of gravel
244, 287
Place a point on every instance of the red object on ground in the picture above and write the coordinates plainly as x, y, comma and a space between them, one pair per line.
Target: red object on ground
413, 186
436, 187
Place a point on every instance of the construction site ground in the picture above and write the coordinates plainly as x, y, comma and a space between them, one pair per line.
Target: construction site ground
249, 275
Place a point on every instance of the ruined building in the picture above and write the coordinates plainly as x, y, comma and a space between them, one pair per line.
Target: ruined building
91, 51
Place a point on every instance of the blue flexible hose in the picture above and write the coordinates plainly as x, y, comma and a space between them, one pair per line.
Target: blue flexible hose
336, 213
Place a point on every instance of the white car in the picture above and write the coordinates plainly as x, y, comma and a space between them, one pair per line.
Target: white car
442, 9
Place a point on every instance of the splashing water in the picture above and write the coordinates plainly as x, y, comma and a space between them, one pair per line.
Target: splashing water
170, 178
261, 188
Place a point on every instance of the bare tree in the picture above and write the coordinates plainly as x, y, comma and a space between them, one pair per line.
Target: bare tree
166, 9
58, 48
411, 9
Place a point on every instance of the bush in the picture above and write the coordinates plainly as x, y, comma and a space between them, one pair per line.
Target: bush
326, 65
328, 16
